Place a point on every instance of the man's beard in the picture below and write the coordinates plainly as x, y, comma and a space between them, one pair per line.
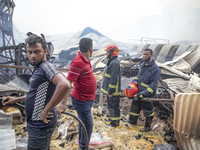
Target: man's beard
147, 60
38, 63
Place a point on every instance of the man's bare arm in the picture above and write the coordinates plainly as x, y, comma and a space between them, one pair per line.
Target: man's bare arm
62, 91
62, 106
12, 100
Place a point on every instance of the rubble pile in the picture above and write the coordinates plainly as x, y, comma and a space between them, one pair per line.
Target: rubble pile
128, 137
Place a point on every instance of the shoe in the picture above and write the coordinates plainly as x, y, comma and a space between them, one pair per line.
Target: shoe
145, 129
115, 126
118, 127
130, 122
108, 123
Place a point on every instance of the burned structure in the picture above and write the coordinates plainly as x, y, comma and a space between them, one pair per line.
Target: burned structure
12, 54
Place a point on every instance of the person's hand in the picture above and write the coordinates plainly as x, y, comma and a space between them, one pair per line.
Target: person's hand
8, 100
136, 97
110, 95
60, 108
45, 115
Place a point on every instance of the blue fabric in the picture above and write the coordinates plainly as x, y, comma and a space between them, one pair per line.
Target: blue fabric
113, 107
150, 75
40, 139
40, 93
83, 109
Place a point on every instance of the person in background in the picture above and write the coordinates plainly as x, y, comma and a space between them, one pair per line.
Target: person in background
147, 80
48, 87
112, 85
83, 93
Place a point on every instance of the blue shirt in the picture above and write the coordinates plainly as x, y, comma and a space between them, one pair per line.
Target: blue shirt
41, 89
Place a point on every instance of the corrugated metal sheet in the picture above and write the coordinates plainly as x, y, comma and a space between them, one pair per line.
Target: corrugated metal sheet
157, 51
163, 53
181, 49
141, 48
193, 59
193, 47
171, 53
179, 85
153, 46
187, 121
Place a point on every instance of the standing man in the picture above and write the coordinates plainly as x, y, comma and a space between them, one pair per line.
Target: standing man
83, 93
112, 85
48, 87
147, 79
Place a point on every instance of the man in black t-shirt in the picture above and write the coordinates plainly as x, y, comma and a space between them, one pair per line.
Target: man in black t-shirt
48, 87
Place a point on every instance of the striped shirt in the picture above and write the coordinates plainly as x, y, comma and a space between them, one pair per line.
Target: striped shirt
81, 73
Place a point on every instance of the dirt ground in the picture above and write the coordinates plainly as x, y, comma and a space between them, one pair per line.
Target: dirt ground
126, 138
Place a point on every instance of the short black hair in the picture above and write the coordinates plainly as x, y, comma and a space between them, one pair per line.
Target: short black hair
150, 50
85, 44
34, 39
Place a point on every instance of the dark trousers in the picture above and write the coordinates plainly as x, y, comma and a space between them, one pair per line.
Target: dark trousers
114, 111
137, 106
40, 139
83, 109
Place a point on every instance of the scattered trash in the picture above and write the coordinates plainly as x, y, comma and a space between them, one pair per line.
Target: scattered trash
21, 142
155, 127
99, 140
165, 147
62, 130
7, 134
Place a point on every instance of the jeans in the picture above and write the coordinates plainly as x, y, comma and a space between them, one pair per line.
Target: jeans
40, 139
83, 109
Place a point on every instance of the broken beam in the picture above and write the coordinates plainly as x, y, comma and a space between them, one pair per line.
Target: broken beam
153, 99
27, 67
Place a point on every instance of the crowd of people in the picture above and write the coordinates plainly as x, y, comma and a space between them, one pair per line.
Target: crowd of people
49, 90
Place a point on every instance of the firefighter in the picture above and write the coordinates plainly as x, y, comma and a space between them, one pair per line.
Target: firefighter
146, 79
112, 85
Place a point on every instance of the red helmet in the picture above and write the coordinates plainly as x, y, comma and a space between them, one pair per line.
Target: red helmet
131, 90
110, 46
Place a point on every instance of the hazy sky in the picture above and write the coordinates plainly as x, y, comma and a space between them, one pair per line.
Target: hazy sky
116, 19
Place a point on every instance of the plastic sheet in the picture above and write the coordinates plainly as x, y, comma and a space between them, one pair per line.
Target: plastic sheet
165, 147
62, 129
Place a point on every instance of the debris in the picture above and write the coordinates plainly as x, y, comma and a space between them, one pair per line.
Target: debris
155, 127
99, 140
62, 129
7, 134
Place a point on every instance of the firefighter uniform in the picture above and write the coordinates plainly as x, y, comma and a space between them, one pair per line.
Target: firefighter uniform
112, 86
147, 79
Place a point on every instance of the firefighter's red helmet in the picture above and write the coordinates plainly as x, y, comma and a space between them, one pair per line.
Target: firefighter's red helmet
131, 90
110, 46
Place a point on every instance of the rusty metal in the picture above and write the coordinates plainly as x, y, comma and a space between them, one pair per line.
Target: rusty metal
153, 99
26, 67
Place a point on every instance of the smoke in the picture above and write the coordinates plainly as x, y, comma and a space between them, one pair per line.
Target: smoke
173, 24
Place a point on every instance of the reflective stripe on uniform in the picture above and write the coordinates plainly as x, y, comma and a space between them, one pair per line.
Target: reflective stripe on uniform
134, 114
112, 86
104, 91
107, 75
149, 101
151, 114
147, 86
116, 89
141, 96
114, 118
150, 90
